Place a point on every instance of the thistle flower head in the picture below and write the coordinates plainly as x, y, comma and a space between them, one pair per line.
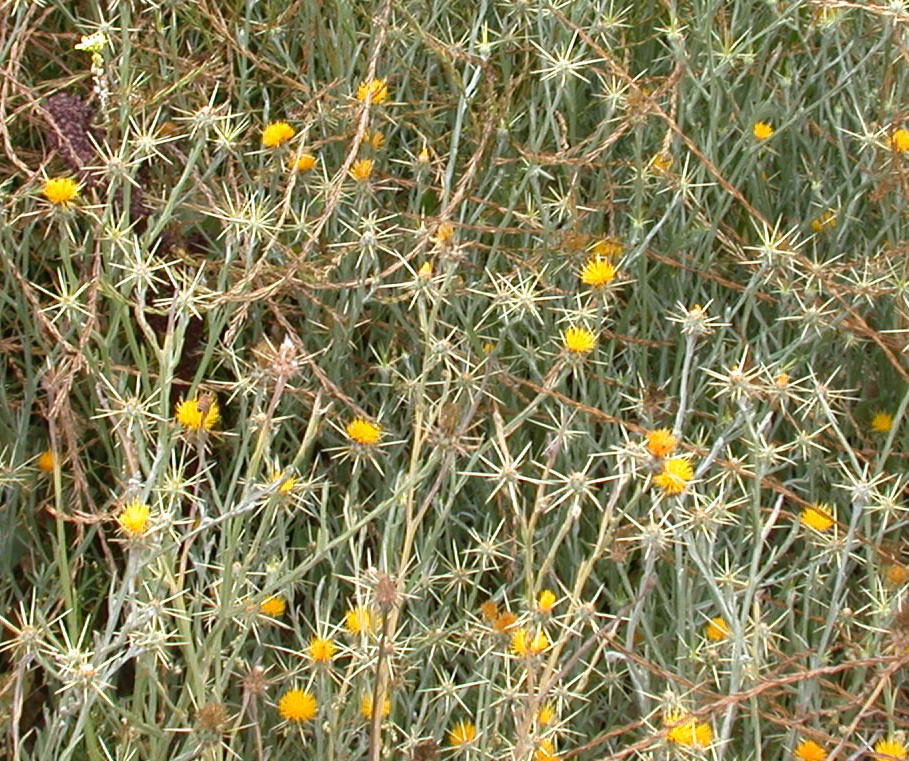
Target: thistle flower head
661, 442
199, 413
899, 141
762, 130
321, 650
716, 629
817, 517
809, 750
273, 606
462, 733
60, 191
134, 519
361, 170
277, 133
676, 474
890, 748
363, 432
598, 273
578, 340
46, 461
377, 88
298, 706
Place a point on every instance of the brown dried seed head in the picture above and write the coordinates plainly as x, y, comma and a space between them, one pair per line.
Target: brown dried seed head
425, 750
255, 681
386, 591
213, 717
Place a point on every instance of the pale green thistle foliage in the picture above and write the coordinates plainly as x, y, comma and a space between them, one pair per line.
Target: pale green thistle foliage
428, 303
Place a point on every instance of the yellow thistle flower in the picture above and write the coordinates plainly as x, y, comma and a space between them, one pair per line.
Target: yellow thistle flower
597, 273
662, 162
288, 485
890, 748
366, 706
376, 139
277, 133
762, 130
684, 730
546, 715
60, 190
490, 610
444, 234
824, 221
321, 650
363, 432
545, 751
896, 574
305, 162
661, 442
716, 629
677, 472
462, 733
298, 706
817, 517
425, 270
882, 422
361, 171
200, 413
523, 645
273, 606
46, 461
809, 750
378, 88
899, 141
578, 340
607, 248
134, 519
359, 620
504, 621
546, 601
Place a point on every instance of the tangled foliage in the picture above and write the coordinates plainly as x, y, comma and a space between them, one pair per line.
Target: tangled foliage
498, 378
